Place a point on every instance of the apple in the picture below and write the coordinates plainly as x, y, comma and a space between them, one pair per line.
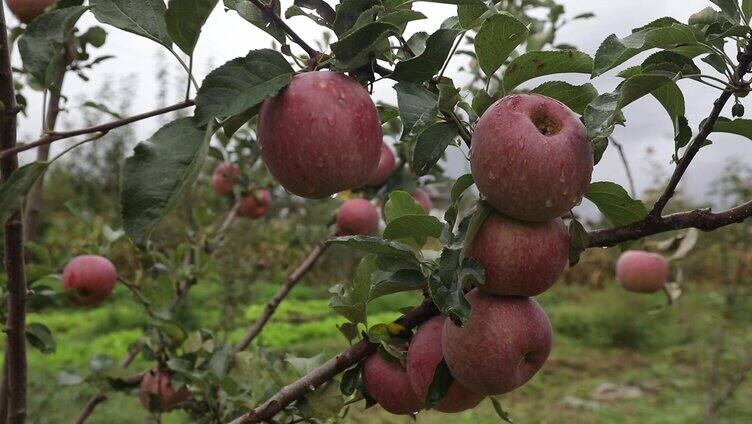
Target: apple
520, 258
357, 217
92, 279
157, 394
27, 10
423, 355
642, 272
387, 164
504, 343
320, 135
531, 158
255, 205
423, 199
225, 176
387, 383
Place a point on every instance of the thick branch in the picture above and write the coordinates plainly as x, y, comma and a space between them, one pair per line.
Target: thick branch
330, 369
14, 243
103, 128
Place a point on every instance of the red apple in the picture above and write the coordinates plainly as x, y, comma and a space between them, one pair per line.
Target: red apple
387, 164
357, 216
256, 204
423, 199
27, 10
504, 343
157, 394
641, 271
423, 355
225, 176
320, 135
520, 258
531, 158
91, 277
387, 383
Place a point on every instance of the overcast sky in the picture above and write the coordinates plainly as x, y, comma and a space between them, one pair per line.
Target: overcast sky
226, 36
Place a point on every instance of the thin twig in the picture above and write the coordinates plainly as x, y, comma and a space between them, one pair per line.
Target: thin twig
272, 15
138, 295
91, 404
620, 149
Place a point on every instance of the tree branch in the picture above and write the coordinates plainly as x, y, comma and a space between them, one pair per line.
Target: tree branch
620, 150
14, 243
103, 128
272, 15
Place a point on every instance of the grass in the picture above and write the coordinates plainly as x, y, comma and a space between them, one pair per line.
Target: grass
603, 336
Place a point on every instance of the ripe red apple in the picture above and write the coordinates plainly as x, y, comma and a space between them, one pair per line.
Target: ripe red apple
423, 355
531, 158
520, 258
423, 199
255, 205
387, 163
387, 384
504, 343
157, 394
225, 176
642, 272
27, 10
357, 216
91, 277
320, 135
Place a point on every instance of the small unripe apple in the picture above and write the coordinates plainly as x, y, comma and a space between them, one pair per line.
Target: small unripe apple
157, 394
225, 176
387, 383
255, 205
320, 135
531, 158
504, 343
520, 258
423, 199
387, 163
92, 279
642, 272
27, 10
357, 217
423, 355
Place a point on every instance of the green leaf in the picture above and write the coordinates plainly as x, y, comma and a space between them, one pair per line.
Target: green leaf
396, 282
418, 225
540, 63
184, 19
578, 241
350, 299
460, 186
446, 291
258, 18
473, 15
576, 97
41, 45
730, 9
219, 363
424, 66
430, 146
13, 192
376, 246
400, 18
747, 10
740, 126
666, 34
40, 337
348, 12
497, 38
504, 415
401, 203
414, 103
240, 84
354, 50
144, 17
440, 383
160, 171
615, 203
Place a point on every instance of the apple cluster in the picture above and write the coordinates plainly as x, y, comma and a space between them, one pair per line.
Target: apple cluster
532, 162
254, 204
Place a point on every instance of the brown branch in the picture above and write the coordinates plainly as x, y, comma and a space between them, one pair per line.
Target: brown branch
92, 404
627, 170
330, 369
707, 127
272, 15
736, 381
103, 128
14, 243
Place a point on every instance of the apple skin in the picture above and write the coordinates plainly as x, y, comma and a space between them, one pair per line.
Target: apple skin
504, 343
423, 199
320, 135
91, 277
387, 384
27, 10
520, 258
255, 205
357, 217
157, 383
225, 176
423, 355
523, 173
387, 164
642, 272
